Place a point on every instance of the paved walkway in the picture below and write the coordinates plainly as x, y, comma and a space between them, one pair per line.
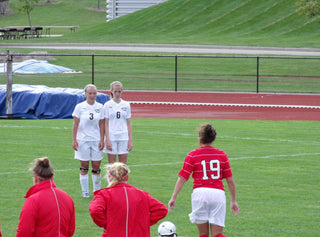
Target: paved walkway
171, 48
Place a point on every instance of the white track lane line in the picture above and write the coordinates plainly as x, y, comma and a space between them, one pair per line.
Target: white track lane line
227, 104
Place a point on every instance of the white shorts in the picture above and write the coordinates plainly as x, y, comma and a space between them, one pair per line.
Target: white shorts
208, 205
118, 148
88, 150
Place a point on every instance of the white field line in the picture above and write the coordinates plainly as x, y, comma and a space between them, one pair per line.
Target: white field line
230, 137
227, 104
37, 127
175, 163
172, 134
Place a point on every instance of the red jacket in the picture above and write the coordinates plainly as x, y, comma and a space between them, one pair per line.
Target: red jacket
125, 211
47, 211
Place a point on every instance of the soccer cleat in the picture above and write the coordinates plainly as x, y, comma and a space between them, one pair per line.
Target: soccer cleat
85, 195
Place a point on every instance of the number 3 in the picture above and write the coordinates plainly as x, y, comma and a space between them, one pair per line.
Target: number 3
214, 167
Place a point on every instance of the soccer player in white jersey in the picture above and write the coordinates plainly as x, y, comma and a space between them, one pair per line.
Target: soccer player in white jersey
88, 138
118, 129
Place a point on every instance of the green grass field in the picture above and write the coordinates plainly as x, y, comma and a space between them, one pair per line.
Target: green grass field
275, 166
275, 163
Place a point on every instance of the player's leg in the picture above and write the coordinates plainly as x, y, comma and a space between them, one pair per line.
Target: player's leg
123, 158
199, 214
83, 155
111, 158
218, 212
96, 176
203, 229
123, 151
216, 231
84, 178
96, 157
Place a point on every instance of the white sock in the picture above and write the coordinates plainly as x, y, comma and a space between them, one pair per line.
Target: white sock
84, 181
96, 180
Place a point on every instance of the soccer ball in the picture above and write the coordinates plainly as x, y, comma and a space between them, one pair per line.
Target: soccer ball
167, 229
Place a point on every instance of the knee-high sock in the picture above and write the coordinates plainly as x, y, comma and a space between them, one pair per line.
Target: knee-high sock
96, 180
84, 181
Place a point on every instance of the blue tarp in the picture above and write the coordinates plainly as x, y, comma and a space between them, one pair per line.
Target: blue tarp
33, 66
42, 102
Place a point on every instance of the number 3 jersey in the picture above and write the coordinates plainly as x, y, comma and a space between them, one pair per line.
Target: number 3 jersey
208, 166
117, 113
90, 116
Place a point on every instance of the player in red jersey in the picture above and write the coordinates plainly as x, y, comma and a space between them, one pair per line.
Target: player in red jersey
208, 166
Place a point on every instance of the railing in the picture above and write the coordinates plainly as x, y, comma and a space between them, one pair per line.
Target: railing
180, 72
183, 73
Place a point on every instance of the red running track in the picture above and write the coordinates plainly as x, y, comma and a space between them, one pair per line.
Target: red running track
206, 105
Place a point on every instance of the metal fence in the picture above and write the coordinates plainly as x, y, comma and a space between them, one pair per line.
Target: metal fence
259, 74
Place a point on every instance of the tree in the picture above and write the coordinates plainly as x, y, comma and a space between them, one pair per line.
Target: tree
4, 7
308, 7
27, 7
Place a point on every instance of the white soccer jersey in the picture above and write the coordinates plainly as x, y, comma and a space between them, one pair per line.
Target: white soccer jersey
117, 113
90, 116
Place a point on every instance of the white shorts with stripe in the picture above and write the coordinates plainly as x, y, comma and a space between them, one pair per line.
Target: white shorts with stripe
208, 205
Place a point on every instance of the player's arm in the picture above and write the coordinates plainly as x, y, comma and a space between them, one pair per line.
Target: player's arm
76, 122
179, 185
232, 190
97, 209
101, 126
157, 209
106, 131
129, 125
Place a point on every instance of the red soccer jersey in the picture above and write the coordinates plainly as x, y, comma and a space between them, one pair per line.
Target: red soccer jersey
208, 166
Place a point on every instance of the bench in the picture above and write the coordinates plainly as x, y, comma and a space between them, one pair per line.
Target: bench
17, 32
48, 28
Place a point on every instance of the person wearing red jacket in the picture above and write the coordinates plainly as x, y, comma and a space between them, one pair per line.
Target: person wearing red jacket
47, 211
122, 209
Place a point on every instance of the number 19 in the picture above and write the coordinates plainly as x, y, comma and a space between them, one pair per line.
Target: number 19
214, 167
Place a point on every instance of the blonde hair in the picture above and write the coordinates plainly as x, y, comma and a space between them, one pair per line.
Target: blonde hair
88, 86
113, 84
119, 172
42, 168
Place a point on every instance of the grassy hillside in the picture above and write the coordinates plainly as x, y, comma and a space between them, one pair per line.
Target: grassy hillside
214, 22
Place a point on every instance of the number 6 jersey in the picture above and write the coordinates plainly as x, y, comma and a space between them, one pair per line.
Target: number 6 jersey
117, 113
